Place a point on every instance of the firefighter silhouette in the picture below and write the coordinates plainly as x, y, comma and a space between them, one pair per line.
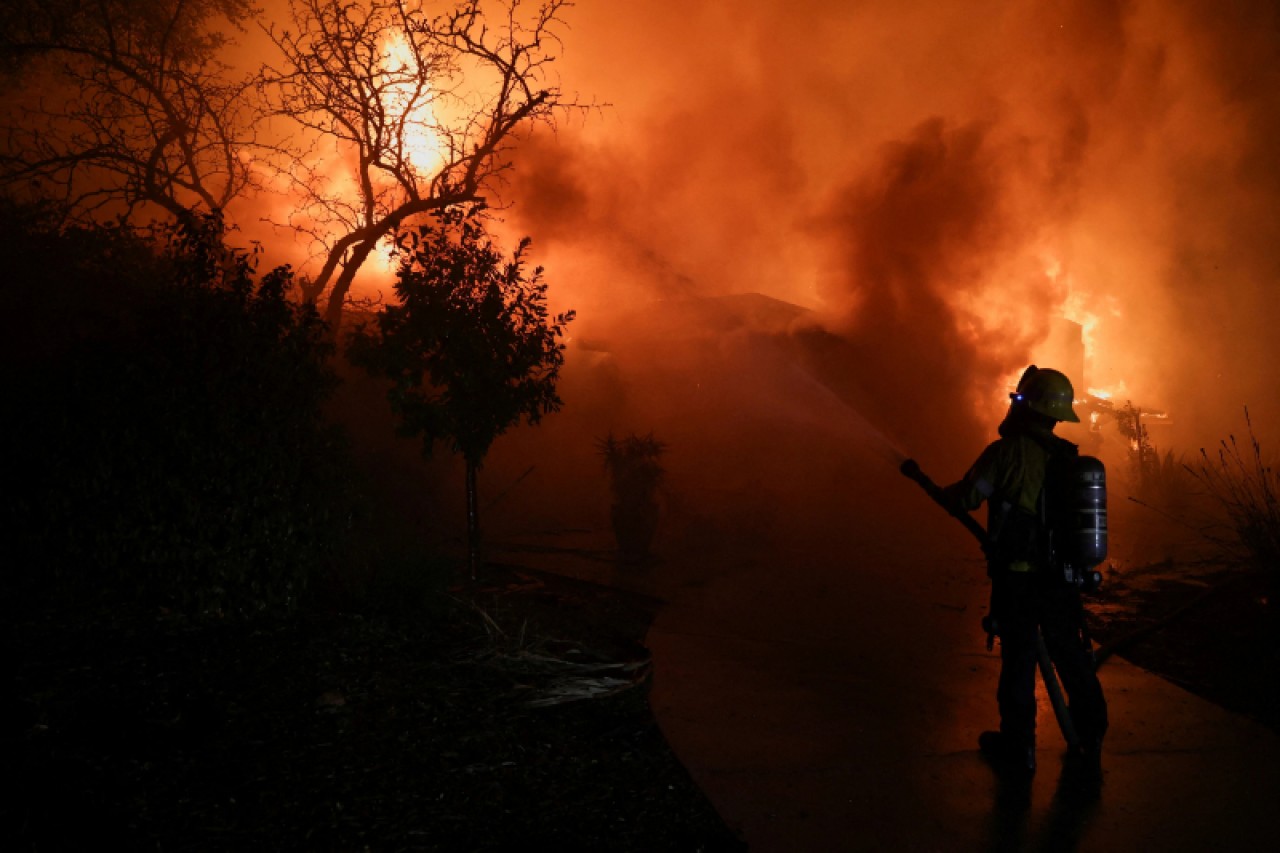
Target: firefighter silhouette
1035, 569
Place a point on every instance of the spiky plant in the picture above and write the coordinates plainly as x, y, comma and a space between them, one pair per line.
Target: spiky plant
633, 465
1247, 489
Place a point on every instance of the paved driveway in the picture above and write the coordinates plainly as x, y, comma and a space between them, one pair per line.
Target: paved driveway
829, 697
821, 670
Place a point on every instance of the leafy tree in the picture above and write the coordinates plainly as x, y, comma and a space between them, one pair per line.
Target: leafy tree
168, 401
471, 348
369, 114
117, 106
401, 112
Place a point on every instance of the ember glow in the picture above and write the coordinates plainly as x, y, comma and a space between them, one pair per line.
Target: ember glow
408, 105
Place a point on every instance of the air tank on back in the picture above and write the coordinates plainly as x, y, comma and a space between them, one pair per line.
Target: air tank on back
1088, 509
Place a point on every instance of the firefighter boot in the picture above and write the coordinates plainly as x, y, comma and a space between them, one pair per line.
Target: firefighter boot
1006, 754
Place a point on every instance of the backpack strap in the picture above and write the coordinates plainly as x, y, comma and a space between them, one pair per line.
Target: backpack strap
1060, 459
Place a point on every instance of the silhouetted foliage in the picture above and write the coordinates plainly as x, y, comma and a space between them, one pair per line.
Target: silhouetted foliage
471, 348
116, 105
1143, 456
633, 465
1161, 479
166, 401
1246, 489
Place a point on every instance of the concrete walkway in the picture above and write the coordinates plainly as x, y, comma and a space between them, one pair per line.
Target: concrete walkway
822, 673
836, 707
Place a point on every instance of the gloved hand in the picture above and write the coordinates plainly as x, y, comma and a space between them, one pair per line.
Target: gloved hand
953, 497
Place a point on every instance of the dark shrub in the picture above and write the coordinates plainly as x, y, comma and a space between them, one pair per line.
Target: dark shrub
1245, 487
166, 437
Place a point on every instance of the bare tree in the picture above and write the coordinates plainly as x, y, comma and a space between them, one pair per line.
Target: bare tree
114, 105
400, 112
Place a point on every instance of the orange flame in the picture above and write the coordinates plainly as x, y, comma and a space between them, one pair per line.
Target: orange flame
407, 100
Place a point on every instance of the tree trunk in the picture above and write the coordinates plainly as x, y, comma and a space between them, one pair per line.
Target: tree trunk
634, 524
473, 522
341, 286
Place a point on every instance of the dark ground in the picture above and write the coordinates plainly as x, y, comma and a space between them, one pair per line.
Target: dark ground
1209, 628
397, 729
403, 728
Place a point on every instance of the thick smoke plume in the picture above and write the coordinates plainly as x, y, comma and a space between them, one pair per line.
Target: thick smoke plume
788, 219
940, 183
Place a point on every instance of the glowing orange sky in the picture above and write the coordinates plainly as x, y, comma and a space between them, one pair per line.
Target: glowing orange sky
925, 164
938, 180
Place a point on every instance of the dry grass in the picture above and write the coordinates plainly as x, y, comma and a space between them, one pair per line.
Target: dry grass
1245, 487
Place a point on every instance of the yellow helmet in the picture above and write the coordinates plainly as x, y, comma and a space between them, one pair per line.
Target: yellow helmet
1048, 392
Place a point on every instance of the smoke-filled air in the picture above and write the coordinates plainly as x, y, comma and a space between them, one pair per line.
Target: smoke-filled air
381, 373
944, 186
788, 220
798, 230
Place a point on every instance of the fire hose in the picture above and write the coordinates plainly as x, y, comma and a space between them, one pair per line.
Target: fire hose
911, 469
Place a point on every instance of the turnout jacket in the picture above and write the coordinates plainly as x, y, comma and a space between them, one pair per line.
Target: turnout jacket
1009, 473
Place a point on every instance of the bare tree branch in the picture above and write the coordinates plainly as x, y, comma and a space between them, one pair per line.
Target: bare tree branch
416, 112
123, 103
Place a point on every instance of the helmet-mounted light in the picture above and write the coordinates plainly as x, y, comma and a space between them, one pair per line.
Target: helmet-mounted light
1046, 391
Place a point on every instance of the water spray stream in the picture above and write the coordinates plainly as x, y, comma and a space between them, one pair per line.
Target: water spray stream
888, 450
881, 444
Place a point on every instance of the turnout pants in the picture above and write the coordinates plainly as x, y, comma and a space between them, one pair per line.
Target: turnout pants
1021, 603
